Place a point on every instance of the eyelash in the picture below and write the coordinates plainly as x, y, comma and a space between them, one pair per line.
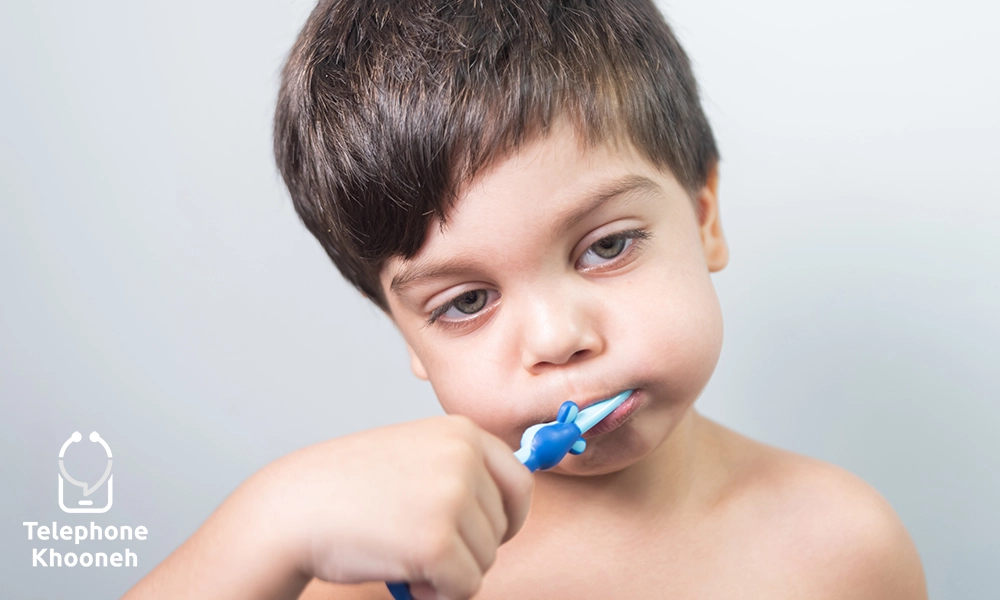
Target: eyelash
638, 237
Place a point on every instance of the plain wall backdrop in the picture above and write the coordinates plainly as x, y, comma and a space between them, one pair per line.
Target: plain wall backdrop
158, 288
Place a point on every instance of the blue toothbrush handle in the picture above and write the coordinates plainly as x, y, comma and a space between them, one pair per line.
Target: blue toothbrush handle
399, 591
542, 447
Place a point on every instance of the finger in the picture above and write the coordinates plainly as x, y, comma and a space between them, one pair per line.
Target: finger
423, 591
478, 534
455, 574
515, 482
491, 503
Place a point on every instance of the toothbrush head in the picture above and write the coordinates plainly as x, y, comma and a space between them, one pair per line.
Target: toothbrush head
593, 414
543, 445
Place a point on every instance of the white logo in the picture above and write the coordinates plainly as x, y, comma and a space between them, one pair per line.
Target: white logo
87, 505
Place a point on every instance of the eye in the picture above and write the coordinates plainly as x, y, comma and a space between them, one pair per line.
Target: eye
462, 308
470, 306
613, 246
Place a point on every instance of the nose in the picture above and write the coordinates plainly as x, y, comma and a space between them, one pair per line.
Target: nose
560, 327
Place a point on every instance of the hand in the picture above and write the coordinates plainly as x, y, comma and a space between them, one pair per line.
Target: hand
427, 502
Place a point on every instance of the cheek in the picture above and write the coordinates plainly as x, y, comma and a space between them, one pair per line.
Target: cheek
463, 382
675, 335
484, 387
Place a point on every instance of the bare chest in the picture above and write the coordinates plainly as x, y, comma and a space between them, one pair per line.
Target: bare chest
688, 564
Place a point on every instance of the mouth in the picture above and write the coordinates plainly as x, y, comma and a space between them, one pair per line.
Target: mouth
585, 404
617, 417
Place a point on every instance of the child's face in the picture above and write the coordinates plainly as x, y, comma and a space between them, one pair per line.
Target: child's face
531, 309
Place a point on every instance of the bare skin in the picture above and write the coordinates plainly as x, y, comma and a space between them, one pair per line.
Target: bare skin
761, 523
542, 309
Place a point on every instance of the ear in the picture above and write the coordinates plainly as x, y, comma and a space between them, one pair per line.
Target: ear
415, 365
710, 227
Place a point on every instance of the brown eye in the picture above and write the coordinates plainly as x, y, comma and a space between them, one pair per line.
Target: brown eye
470, 302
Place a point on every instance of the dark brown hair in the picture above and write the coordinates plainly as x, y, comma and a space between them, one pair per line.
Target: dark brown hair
387, 106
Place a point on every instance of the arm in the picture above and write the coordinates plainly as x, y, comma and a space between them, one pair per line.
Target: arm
886, 564
241, 551
847, 538
428, 501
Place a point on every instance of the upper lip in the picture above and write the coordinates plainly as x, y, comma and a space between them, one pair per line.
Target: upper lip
581, 404
594, 400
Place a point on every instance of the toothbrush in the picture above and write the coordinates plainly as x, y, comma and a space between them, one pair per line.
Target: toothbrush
545, 444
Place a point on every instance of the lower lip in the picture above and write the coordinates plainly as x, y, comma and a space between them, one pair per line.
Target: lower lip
617, 417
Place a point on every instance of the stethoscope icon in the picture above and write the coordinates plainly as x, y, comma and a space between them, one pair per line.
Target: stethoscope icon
87, 505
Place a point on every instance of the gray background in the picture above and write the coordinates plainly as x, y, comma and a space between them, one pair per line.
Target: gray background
157, 286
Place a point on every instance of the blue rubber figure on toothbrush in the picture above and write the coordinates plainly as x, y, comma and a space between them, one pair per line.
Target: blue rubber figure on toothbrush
544, 445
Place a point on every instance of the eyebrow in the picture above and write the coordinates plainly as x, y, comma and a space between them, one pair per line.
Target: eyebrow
595, 199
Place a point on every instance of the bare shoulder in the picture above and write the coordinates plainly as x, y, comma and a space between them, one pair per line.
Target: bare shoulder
836, 532
324, 590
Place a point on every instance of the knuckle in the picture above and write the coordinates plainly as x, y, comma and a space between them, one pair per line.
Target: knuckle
453, 493
462, 420
491, 559
462, 456
503, 524
463, 425
437, 548
474, 584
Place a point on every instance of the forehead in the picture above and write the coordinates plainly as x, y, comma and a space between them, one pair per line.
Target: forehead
539, 194
449, 240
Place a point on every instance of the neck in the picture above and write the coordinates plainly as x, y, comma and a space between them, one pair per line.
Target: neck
665, 483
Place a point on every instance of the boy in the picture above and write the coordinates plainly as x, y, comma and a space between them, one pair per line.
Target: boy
529, 191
